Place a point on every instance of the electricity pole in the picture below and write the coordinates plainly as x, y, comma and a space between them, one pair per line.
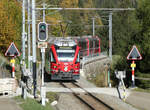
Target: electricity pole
110, 36
34, 47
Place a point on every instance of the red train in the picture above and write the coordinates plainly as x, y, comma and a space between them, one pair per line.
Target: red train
63, 56
62, 60
89, 46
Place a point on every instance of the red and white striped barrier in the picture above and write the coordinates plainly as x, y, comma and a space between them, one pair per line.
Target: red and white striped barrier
12, 61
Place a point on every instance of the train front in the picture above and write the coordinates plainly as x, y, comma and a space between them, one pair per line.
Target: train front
64, 60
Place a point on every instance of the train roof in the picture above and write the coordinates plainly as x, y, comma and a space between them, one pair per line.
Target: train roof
62, 41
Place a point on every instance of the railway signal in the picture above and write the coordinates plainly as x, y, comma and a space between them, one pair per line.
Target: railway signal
42, 37
134, 55
42, 31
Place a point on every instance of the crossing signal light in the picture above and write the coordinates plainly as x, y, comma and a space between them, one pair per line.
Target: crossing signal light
42, 31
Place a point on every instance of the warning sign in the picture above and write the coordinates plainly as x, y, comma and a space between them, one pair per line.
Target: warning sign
134, 54
12, 51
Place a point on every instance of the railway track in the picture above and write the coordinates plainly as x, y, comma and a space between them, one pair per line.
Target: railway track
87, 98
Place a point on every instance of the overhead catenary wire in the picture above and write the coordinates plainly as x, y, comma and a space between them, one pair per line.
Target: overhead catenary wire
92, 9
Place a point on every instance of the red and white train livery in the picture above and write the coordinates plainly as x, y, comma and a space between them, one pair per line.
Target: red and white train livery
62, 60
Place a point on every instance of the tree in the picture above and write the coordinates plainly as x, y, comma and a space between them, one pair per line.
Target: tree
10, 21
143, 15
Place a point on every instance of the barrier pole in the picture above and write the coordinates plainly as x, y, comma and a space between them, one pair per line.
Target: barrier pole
12, 61
133, 71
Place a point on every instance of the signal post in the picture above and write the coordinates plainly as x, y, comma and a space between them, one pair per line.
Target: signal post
42, 37
133, 65
12, 61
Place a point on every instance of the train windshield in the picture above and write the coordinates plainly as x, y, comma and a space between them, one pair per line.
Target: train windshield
65, 55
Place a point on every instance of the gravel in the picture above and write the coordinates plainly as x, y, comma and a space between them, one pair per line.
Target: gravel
69, 102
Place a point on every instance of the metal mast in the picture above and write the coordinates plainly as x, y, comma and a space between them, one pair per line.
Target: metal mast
23, 47
29, 39
110, 36
44, 12
23, 31
93, 26
34, 47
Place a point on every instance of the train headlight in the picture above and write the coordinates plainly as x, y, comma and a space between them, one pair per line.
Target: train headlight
76, 66
66, 68
55, 66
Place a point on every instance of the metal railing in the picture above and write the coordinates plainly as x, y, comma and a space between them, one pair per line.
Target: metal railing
90, 56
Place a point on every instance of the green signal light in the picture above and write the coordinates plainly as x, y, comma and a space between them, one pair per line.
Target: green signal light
43, 27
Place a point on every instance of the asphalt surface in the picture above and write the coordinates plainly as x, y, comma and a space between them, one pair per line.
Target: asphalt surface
140, 100
8, 104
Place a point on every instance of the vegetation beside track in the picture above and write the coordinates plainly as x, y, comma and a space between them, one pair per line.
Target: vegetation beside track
31, 104
52, 96
142, 90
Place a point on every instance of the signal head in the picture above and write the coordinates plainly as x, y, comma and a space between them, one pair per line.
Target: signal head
42, 31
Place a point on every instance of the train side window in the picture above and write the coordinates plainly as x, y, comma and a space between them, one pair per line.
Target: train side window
52, 59
91, 43
78, 59
97, 44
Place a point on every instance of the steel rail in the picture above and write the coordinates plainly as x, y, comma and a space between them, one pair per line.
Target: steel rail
75, 94
93, 96
88, 95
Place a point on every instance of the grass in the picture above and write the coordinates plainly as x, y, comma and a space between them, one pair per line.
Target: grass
31, 104
99, 80
142, 90
52, 96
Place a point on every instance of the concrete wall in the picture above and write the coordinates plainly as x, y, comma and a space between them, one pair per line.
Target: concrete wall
95, 66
